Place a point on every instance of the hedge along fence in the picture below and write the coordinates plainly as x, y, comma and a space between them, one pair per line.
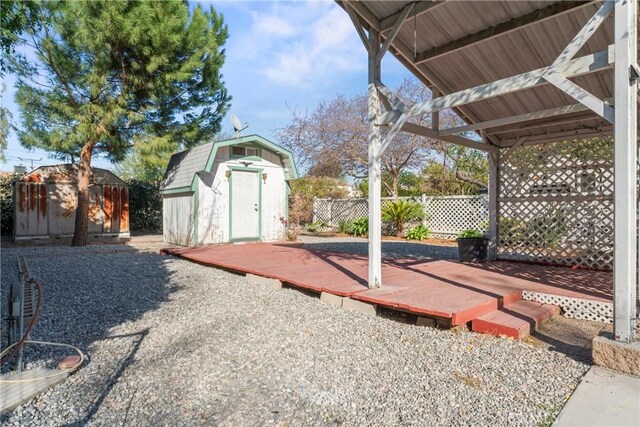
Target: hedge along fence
445, 216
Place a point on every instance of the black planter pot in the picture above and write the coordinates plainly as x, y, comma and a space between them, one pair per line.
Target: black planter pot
472, 249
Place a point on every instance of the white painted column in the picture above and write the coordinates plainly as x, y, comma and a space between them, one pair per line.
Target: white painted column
375, 170
625, 163
494, 182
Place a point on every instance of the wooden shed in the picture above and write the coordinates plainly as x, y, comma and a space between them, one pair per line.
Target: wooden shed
46, 200
225, 191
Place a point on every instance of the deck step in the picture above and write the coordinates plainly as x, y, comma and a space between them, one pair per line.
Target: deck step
517, 320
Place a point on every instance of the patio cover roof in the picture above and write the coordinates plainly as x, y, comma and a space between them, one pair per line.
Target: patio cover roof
518, 72
456, 45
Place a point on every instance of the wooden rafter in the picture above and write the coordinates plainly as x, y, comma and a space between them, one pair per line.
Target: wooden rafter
520, 118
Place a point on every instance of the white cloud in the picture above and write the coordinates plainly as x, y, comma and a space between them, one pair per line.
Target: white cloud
301, 44
271, 26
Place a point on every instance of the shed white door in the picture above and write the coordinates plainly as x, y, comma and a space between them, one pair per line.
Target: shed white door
245, 205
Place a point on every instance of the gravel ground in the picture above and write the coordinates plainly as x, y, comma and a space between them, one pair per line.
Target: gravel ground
175, 343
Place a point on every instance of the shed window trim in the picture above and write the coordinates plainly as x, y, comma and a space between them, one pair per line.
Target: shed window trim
243, 151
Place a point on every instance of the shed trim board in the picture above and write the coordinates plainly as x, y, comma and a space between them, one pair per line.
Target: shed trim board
468, 69
258, 172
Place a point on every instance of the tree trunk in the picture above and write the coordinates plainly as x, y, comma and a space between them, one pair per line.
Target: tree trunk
399, 229
394, 187
81, 230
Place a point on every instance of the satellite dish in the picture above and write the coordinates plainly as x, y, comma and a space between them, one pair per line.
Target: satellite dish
237, 124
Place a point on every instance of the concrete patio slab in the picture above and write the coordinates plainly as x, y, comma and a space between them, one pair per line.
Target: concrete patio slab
604, 398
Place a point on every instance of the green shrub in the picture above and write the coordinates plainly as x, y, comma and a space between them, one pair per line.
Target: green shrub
303, 190
398, 212
471, 234
419, 232
6, 202
360, 227
345, 227
145, 206
314, 227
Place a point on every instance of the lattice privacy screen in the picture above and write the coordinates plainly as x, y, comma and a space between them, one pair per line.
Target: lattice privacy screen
445, 216
555, 203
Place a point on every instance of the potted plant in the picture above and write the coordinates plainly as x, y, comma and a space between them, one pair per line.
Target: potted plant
472, 246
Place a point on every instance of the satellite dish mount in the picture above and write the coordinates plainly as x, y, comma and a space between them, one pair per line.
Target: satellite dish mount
238, 127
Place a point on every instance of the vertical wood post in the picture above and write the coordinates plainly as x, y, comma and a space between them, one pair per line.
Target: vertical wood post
494, 182
423, 201
435, 116
375, 174
625, 164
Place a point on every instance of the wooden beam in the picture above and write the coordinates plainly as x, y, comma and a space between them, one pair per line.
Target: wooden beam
625, 254
374, 139
356, 23
506, 27
559, 136
451, 139
520, 118
580, 66
494, 183
584, 97
435, 116
577, 67
555, 121
394, 31
584, 34
363, 12
397, 103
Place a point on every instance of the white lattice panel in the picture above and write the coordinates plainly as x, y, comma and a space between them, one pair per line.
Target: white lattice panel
445, 216
556, 204
448, 216
575, 308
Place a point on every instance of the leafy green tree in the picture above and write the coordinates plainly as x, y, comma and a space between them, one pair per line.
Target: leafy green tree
117, 74
148, 169
16, 17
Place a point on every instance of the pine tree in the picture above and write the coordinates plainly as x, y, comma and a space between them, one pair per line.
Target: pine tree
111, 75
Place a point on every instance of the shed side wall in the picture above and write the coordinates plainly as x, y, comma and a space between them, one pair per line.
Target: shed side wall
177, 219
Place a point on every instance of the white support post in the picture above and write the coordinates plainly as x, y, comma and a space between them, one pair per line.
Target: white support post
435, 116
494, 182
625, 164
374, 140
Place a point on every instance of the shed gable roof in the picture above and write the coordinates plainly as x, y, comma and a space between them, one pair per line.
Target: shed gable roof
183, 166
68, 172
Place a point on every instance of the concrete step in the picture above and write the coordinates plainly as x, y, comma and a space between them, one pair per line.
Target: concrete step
517, 320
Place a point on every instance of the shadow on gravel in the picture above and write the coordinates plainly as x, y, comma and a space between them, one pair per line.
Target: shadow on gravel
389, 249
122, 365
89, 291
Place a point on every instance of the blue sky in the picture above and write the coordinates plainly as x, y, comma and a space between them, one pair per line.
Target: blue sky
280, 56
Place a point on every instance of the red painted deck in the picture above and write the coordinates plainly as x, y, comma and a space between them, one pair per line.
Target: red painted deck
439, 288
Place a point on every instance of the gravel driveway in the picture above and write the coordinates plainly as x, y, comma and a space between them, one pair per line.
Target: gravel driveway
175, 343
